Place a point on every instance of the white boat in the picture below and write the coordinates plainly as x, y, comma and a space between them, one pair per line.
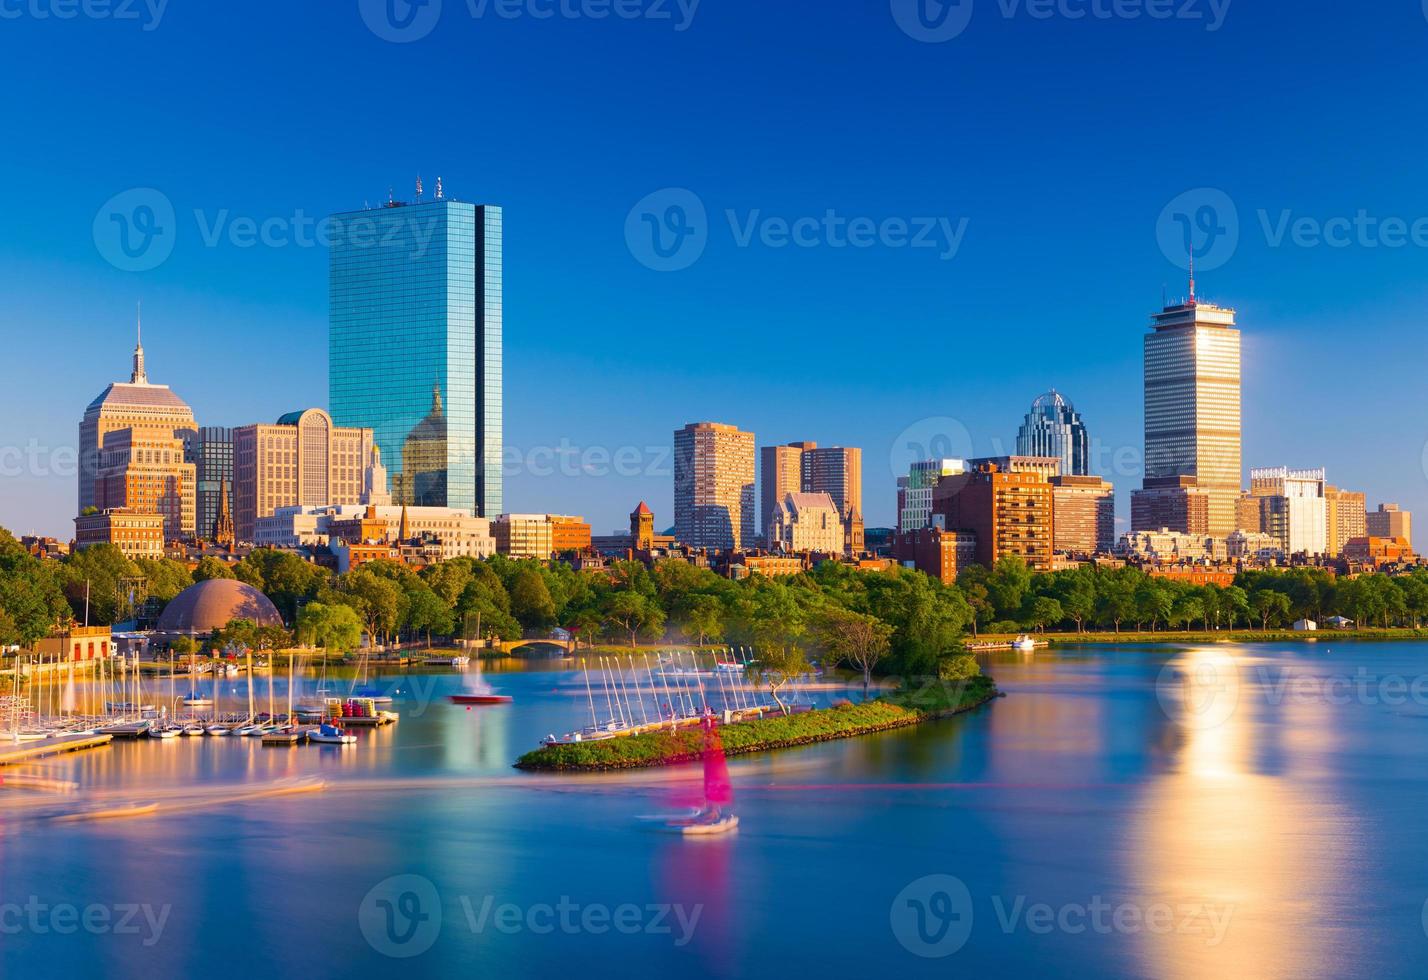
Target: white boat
197, 700
331, 735
194, 729
1024, 643
168, 731
248, 731
219, 730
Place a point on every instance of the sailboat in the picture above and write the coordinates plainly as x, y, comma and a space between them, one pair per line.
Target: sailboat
715, 815
479, 691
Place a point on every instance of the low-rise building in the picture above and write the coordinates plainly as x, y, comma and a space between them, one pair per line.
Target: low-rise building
936, 551
540, 536
1376, 552
1389, 521
1177, 503
1167, 546
807, 522
454, 532
137, 534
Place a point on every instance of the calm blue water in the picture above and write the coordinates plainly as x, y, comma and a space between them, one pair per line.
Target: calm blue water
1149, 812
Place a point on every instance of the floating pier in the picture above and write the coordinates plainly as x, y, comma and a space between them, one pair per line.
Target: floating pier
25, 751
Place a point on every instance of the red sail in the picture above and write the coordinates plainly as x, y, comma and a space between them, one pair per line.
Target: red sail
718, 791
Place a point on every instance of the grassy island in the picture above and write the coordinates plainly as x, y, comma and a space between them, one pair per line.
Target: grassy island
896, 710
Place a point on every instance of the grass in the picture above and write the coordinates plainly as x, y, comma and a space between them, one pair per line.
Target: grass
897, 710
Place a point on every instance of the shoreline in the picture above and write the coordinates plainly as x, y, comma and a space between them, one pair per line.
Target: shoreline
664, 748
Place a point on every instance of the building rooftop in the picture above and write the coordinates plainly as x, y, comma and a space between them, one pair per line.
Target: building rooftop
122, 395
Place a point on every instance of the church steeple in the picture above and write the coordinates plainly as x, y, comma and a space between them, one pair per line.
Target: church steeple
139, 377
223, 533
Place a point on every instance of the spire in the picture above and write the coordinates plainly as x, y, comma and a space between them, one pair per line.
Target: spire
436, 407
139, 377
1192, 273
403, 532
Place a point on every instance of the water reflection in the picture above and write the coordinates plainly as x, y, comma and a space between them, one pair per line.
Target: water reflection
1217, 835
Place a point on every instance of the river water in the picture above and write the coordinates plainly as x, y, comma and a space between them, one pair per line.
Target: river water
1208, 812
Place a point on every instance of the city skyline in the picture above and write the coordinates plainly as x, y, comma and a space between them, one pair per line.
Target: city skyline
216, 296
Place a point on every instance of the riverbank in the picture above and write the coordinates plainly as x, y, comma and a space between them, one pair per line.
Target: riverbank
1225, 636
897, 710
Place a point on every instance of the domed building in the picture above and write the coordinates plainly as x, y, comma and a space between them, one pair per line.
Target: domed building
212, 605
422, 481
1054, 428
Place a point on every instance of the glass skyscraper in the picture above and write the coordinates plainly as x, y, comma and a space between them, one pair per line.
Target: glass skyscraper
214, 461
1053, 428
414, 346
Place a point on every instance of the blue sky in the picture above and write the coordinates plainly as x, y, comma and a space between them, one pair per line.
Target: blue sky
1057, 148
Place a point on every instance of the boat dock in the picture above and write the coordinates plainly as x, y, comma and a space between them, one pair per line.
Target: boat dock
25, 751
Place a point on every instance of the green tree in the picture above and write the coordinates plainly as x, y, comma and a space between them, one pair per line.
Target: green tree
634, 614
531, 601
427, 612
853, 638
331, 627
210, 567
1269, 604
702, 618
1041, 611
1076, 592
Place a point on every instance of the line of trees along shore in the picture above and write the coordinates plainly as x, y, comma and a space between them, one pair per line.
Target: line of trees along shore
899, 621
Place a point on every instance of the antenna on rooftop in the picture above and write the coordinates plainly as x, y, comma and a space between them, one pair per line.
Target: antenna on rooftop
418, 189
439, 194
1192, 273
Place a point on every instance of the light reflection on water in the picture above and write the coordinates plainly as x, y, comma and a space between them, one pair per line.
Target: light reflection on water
1296, 814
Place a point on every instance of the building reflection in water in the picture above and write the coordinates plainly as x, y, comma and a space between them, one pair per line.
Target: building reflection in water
1233, 827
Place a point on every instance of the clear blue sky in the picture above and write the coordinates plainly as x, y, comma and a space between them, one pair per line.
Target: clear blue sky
1061, 141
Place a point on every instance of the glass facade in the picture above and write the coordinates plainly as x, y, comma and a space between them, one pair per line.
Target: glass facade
214, 461
1054, 428
415, 346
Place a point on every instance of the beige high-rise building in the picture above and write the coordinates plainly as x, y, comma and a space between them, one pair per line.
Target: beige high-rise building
714, 486
1345, 518
153, 416
142, 471
302, 460
1390, 521
804, 467
1292, 508
780, 473
1192, 406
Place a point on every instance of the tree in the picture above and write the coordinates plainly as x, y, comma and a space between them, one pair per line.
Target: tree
428, 612
1153, 601
329, 626
703, 617
92, 577
1415, 596
377, 600
1076, 591
531, 601
1235, 603
853, 638
1115, 599
1041, 611
634, 614
1008, 585
1269, 604
210, 567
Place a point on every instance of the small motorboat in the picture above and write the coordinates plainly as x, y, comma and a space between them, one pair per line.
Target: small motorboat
713, 821
331, 735
481, 699
457, 661
1024, 644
